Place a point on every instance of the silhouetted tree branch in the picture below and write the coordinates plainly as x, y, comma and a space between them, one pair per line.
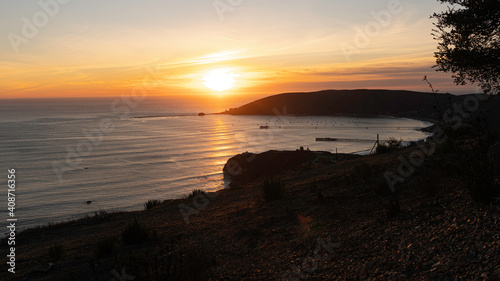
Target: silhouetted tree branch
469, 39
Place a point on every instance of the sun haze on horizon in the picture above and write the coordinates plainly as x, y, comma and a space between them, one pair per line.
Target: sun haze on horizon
52, 49
220, 79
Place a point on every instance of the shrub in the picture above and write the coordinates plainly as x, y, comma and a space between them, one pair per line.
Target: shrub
104, 247
388, 146
56, 252
272, 190
134, 233
393, 143
381, 149
363, 170
197, 192
412, 144
98, 216
151, 204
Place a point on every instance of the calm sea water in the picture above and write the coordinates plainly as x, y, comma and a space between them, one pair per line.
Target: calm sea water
68, 152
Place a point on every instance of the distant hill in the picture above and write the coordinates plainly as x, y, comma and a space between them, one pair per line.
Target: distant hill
359, 102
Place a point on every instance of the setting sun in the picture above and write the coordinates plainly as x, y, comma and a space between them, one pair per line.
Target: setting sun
219, 79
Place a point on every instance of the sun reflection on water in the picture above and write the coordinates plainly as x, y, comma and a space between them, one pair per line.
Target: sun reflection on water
222, 146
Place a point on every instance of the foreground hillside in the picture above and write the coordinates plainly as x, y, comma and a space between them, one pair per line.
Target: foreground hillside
337, 220
365, 102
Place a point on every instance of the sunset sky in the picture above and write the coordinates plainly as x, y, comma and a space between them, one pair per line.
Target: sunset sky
76, 48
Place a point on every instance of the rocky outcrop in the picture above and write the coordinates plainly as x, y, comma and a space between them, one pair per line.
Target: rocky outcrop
247, 166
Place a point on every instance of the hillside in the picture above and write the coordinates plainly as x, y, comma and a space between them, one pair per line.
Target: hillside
362, 102
336, 221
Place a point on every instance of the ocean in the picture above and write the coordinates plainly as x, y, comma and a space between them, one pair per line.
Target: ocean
118, 153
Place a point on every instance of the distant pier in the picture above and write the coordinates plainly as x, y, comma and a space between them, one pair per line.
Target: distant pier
344, 127
346, 140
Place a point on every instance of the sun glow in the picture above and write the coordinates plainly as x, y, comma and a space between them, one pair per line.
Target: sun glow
219, 79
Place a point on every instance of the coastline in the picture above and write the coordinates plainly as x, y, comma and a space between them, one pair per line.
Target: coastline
81, 178
332, 200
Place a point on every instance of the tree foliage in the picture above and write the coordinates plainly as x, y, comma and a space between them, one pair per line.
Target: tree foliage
468, 33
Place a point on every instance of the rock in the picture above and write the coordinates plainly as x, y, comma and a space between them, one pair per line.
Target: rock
247, 166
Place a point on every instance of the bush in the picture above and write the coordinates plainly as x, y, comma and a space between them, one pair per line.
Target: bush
393, 143
272, 190
381, 149
197, 192
134, 233
56, 252
104, 248
151, 204
98, 216
101, 214
363, 170
388, 146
